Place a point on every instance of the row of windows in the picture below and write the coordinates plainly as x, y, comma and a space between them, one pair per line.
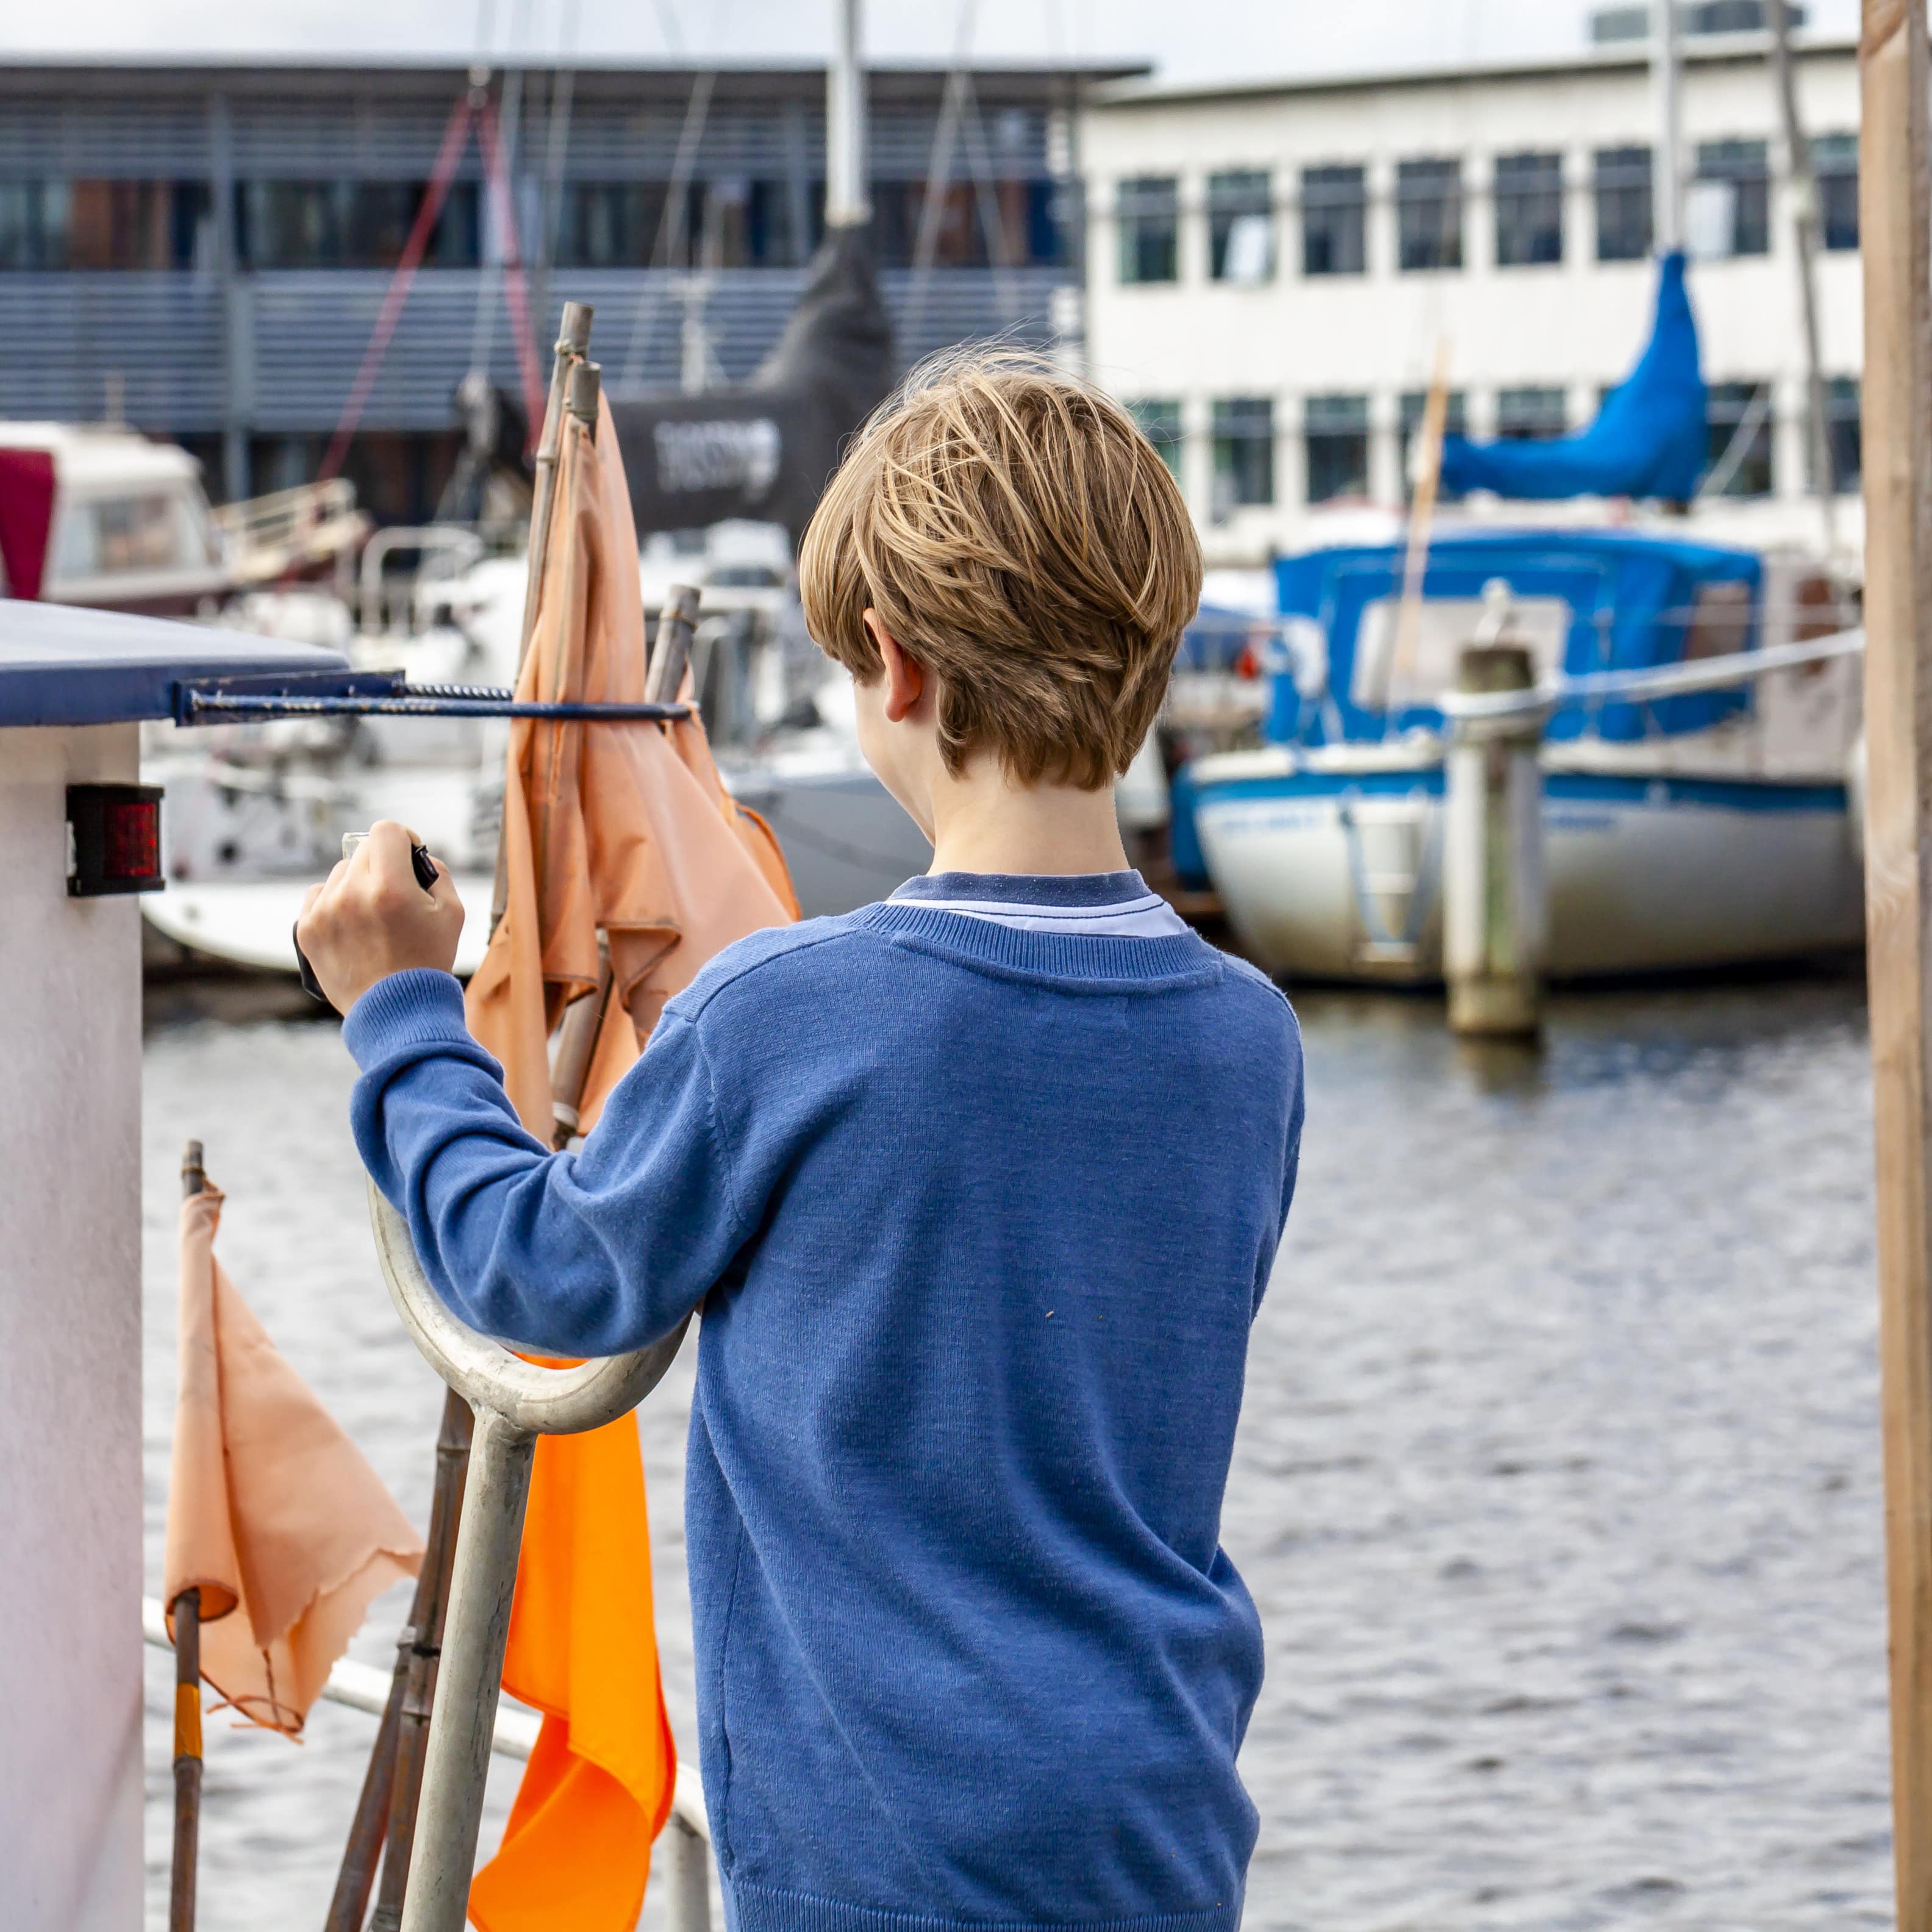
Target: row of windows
1728, 211
357, 224
1335, 438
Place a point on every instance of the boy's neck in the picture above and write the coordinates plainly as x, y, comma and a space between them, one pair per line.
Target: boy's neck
983, 823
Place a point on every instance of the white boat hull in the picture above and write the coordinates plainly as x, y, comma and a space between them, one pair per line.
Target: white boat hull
251, 922
1331, 879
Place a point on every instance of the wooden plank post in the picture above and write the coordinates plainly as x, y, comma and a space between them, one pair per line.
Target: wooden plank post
1895, 215
1494, 915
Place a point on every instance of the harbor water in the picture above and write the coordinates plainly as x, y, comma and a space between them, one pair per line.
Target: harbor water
1557, 1484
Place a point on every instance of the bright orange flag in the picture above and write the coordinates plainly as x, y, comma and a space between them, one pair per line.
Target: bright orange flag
626, 828
273, 1513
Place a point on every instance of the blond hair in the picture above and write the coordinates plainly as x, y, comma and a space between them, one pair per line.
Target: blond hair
1024, 542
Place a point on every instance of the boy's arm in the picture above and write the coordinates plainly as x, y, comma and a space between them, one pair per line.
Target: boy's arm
593, 1255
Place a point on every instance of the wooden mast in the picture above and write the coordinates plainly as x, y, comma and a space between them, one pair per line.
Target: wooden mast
1895, 219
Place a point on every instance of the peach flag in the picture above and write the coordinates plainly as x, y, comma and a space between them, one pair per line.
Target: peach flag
273, 1513
627, 828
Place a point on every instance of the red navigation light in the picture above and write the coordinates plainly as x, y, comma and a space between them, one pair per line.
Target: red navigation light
114, 839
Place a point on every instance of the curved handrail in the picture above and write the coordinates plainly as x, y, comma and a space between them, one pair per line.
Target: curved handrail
532, 1399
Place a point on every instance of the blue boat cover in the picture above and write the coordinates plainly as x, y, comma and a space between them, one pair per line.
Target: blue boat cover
1631, 595
1648, 439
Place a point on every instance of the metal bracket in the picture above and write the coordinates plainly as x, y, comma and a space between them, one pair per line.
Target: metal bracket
234, 700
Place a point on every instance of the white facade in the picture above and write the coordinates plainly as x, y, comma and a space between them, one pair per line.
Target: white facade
1361, 341
70, 1780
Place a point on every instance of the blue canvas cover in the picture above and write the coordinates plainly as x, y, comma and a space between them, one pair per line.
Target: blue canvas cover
1630, 594
1648, 439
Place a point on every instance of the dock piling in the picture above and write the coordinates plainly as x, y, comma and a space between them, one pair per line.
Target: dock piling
1493, 899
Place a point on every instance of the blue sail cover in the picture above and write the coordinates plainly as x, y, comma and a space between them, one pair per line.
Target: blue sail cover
1648, 439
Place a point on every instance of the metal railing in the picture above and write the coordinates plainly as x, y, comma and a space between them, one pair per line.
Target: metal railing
1649, 685
362, 1687
514, 1402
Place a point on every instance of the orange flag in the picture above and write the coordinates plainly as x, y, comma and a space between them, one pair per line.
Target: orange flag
626, 828
273, 1513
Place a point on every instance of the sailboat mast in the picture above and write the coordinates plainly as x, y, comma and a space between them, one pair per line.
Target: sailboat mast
848, 201
1667, 194
1804, 191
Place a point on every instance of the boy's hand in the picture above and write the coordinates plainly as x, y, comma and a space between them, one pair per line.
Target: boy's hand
370, 918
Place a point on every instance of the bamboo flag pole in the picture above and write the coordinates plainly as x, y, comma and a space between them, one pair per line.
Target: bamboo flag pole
1895, 227
573, 341
186, 1616
1397, 664
386, 1808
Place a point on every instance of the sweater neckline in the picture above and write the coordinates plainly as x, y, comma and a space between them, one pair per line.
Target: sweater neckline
1118, 905
1077, 962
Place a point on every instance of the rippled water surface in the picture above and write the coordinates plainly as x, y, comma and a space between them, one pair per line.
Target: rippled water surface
1557, 1483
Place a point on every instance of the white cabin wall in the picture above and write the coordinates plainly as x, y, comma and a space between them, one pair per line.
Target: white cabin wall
70, 1681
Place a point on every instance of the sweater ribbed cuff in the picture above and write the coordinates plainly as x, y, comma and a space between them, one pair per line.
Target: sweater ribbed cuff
420, 1007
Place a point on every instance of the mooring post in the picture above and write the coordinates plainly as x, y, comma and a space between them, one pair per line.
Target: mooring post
1895, 251
1493, 900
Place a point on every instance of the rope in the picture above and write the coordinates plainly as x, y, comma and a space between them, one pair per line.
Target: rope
398, 290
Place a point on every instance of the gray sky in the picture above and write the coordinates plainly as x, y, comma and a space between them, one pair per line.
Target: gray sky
1187, 39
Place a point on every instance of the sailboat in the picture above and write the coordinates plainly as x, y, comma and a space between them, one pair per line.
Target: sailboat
1702, 755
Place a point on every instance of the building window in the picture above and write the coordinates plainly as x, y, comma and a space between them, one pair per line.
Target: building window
1335, 429
1728, 211
33, 224
1334, 221
1738, 414
1243, 454
1240, 227
1621, 181
1429, 214
1531, 415
107, 224
347, 224
1529, 210
1160, 420
1456, 422
1834, 161
1844, 435
1148, 211
612, 224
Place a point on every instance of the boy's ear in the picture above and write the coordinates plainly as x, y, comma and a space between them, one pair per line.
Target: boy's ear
905, 681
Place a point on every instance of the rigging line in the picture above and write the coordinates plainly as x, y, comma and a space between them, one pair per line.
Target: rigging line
1717, 479
672, 223
992, 216
562, 90
496, 164
483, 327
397, 292
938, 175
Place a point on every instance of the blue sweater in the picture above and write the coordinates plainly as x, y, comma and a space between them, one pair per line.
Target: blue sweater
980, 1215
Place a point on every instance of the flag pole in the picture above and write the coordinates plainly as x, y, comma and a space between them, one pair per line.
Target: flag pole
185, 1617
573, 343
386, 1811
1895, 226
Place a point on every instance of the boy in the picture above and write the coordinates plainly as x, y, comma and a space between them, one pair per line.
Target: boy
979, 1188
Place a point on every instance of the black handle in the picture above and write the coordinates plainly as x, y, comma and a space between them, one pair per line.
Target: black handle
421, 863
